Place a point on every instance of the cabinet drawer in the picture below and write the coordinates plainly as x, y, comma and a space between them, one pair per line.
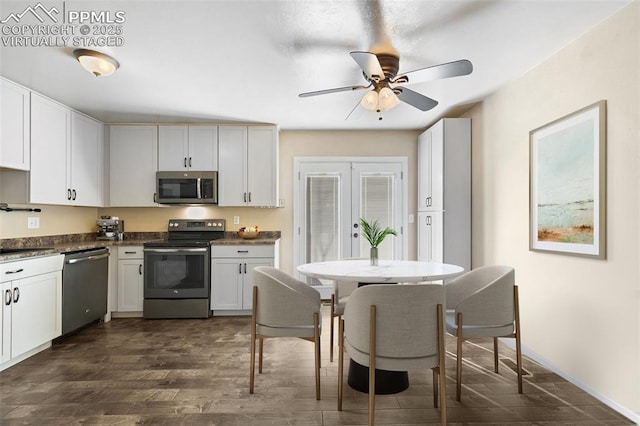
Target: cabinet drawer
130, 252
19, 269
243, 251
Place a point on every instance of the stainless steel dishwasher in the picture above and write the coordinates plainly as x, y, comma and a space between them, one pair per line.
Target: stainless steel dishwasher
84, 287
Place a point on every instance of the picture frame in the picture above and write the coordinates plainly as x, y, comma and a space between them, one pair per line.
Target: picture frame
567, 184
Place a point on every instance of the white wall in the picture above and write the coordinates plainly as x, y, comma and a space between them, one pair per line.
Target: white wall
579, 315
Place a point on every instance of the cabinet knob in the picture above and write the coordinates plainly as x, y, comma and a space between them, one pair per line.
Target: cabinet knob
355, 235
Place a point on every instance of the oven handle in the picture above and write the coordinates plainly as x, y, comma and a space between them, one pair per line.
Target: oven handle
176, 250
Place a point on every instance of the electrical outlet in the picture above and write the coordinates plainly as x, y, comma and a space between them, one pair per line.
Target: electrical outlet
411, 218
33, 222
281, 202
236, 220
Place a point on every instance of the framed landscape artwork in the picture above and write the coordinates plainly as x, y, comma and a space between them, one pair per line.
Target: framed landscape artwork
567, 184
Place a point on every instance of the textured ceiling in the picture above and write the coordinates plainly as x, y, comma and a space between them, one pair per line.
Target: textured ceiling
248, 60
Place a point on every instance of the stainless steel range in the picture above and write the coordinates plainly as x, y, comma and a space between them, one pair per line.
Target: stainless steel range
177, 271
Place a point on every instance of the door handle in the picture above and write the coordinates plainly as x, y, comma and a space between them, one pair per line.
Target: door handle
15, 271
7, 297
140, 269
249, 196
244, 197
189, 161
74, 194
69, 194
239, 268
245, 268
16, 294
185, 161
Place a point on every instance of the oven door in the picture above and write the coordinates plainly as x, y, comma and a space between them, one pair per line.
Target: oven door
177, 272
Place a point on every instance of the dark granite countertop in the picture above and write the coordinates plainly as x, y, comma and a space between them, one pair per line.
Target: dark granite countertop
45, 246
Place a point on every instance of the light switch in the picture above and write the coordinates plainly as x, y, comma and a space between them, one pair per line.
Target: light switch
411, 218
236, 220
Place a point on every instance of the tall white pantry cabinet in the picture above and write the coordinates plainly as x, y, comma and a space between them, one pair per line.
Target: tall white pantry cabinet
444, 192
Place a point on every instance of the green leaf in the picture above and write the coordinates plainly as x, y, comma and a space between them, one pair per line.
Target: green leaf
374, 233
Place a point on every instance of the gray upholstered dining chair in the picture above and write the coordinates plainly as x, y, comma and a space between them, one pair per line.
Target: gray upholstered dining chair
339, 297
283, 307
395, 328
484, 303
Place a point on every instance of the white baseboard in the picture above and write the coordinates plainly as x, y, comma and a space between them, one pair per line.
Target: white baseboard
631, 415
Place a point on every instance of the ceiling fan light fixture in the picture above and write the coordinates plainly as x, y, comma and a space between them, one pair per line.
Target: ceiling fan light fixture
387, 99
370, 101
96, 63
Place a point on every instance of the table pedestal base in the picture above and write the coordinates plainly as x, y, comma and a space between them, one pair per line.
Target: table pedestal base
387, 382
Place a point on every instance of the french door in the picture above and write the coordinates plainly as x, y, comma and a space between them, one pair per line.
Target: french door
330, 197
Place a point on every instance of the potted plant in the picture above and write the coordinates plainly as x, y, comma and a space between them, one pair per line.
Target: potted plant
374, 234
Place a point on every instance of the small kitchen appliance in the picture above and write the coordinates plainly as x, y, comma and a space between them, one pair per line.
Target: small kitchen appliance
110, 228
177, 271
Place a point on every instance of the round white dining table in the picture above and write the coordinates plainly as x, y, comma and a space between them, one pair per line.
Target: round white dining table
387, 271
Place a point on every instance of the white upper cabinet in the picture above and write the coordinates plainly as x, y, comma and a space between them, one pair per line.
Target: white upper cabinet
66, 155
87, 153
187, 148
248, 166
14, 126
133, 162
430, 168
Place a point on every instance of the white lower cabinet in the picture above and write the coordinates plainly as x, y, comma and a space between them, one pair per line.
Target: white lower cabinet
130, 278
31, 307
232, 275
430, 236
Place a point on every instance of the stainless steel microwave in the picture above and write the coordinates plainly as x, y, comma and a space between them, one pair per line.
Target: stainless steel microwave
187, 187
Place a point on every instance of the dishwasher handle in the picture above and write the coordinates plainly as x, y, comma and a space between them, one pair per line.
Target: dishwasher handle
84, 259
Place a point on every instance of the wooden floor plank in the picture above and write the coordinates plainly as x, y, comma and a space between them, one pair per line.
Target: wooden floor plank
135, 371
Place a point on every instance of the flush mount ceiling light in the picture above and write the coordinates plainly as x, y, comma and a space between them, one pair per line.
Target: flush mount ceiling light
96, 63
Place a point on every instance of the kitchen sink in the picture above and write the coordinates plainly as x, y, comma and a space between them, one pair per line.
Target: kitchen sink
22, 250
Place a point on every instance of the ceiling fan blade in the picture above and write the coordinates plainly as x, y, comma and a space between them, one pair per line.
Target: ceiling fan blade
352, 111
370, 65
415, 99
450, 69
335, 90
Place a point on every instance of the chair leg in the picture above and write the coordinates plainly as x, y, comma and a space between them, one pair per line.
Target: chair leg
441, 367
333, 301
459, 359
340, 361
517, 333
260, 347
316, 343
435, 387
253, 340
495, 354
372, 364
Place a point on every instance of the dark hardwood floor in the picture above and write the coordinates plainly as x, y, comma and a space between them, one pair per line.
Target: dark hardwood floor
196, 372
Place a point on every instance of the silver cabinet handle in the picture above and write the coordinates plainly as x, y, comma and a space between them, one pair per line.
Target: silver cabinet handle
15, 271
16, 294
155, 197
129, 252
244, 197
249, 196
239, 268
242, 251
140, 269
74, 194
69, 194
7, 297
189, 161
185, 161
245, 268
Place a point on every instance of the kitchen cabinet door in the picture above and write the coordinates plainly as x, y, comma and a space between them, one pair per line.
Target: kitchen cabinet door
248, 166
430, 237
247, 283
15, 129
5, 322
173, 151
226, 284
130, 285
87, 150
36, 315
232, 167
50, 138
430, 168
187, 148
133, 162
262, 166
203, 148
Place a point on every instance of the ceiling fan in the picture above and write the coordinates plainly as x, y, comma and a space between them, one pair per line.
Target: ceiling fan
380, 70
